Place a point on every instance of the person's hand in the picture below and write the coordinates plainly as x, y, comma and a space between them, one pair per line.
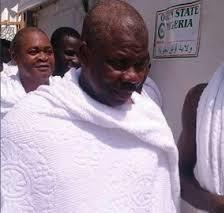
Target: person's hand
217, 204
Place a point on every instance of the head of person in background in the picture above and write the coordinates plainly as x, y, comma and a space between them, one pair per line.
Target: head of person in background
66, 44
33, 54
1, 64
5, 52
114, 55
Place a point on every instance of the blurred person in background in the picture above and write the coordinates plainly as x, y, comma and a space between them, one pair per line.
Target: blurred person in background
66, 43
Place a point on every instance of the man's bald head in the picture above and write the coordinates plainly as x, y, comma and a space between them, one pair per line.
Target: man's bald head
114, 52
20, 36
109, 20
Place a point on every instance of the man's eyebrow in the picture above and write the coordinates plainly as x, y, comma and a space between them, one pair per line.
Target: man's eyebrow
48, 47
33, 47
39, 48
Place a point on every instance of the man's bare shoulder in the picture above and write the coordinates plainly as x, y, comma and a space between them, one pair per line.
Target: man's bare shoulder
187, 140
195, 92
192, 98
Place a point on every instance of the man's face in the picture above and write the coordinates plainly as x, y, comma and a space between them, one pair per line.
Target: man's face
35, 58
118, 69
67, 56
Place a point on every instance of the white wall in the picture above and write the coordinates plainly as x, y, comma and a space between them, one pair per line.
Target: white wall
61, 13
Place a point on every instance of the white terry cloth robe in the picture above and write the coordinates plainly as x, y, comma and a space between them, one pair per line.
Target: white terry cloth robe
12, 89
8, 69
209, 169
150, 89
64, 152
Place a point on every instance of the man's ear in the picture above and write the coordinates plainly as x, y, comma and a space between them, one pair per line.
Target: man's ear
84, 54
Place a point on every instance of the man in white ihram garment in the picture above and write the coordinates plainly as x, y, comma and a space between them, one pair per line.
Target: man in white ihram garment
201, 145
8, 70
34, 58
93, 144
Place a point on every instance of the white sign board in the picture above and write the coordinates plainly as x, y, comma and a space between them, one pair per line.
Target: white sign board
177, 31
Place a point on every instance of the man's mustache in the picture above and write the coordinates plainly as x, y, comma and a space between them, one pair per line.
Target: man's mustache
130, 86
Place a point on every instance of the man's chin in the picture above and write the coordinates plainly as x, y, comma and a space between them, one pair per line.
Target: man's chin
43, 79
121, 97
44, 75
115, 101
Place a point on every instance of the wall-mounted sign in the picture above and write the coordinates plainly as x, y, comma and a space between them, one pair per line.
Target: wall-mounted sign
177, 31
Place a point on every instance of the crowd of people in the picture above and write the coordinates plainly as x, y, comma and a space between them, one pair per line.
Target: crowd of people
82, 127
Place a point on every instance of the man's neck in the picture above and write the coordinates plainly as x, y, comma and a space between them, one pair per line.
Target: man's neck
60, 69
83, 83
30, 85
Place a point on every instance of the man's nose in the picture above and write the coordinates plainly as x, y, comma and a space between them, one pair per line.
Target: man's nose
131, 75
43, 56
75, 59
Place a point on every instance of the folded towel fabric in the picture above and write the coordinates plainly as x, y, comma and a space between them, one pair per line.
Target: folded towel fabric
209, 169
62, 151
12, 90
